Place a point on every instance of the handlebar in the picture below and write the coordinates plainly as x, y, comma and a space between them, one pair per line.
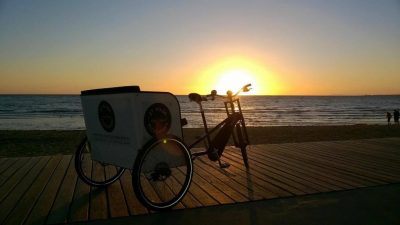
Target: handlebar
229, 93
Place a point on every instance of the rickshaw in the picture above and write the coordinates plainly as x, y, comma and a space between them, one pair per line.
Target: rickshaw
141, 131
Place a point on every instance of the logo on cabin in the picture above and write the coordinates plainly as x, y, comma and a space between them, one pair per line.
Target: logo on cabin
106, 116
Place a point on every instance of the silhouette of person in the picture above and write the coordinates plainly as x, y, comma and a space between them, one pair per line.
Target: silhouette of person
396, 116
388, 116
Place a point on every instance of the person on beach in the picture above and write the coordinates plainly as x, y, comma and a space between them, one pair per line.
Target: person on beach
388, 116
396, 116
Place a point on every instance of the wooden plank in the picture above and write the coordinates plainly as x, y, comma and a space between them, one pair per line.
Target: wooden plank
362, 157
152, 191
26, 203
391, 145
290, 173
11, 201
374, 154
220, 185
98, 198
134, 206
167, 192
197, 192
392, 140
12, 169
253, 180
188, 200
80, 203
304, 184
303, 170
116, 200
17, 177
331, 164
383, 144
221, 197
5, 163
268, 175
236, 182
245, 178
60, 210
10, 183
319, 166
348, 160
332, 172
42, 207
347, 168
348, 164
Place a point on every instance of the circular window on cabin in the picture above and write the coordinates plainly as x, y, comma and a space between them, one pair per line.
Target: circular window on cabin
106, 116
157, 120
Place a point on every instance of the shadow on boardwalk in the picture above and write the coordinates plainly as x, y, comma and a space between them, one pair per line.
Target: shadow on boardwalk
336, 182
372, 205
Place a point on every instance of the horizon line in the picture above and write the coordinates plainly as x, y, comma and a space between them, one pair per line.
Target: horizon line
283, 95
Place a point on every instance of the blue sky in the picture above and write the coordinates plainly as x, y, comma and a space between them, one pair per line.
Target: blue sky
308, 47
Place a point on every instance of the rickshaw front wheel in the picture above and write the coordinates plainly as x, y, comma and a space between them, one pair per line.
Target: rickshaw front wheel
162, 173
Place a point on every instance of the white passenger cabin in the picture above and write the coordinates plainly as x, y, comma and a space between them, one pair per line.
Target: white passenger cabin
120, 121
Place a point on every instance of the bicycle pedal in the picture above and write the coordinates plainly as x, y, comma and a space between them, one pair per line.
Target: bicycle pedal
224, 165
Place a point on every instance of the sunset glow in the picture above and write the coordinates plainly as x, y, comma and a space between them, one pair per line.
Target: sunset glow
234, 79
232, 73
282, 48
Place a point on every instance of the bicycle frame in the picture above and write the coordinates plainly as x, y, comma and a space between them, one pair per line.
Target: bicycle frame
231, 104
206, 136
233, 117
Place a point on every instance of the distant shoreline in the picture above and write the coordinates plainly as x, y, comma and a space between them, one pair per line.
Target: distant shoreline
18, 143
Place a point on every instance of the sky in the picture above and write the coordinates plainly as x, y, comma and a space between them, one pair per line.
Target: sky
286, 47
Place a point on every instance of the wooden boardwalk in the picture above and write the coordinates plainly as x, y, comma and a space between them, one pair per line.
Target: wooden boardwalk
45, 190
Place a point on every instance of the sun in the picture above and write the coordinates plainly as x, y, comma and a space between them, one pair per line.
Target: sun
234, 79
232, 73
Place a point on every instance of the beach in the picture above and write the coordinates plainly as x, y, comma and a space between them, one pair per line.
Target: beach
20, 143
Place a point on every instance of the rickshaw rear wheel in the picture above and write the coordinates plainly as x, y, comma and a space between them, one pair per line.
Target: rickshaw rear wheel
92, 172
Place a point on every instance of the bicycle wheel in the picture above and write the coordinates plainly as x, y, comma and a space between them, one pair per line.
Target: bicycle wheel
162, 173
93, 172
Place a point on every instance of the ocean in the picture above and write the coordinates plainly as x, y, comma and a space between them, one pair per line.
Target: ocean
62, 112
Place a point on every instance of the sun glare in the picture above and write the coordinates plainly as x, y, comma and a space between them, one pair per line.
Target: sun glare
232, 73
235, 79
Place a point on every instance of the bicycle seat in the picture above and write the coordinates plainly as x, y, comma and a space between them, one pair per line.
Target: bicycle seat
194, 97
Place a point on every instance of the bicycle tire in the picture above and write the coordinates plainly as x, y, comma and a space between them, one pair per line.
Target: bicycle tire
157, 184
92, 172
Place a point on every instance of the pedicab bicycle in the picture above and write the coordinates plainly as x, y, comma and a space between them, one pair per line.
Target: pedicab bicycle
142, 131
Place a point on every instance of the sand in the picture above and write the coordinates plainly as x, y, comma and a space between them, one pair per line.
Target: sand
36, 143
